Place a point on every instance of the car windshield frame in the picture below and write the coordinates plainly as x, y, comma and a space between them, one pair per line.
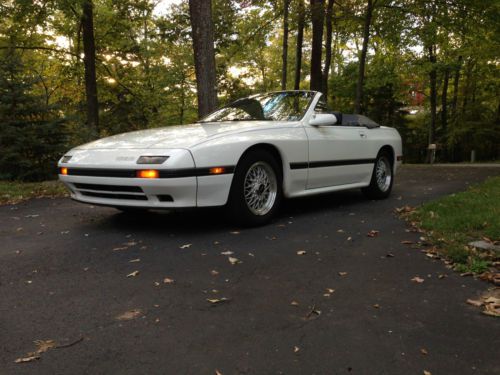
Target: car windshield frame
258, 103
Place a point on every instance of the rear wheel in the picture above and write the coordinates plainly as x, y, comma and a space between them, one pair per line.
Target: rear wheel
256, 189
382, 178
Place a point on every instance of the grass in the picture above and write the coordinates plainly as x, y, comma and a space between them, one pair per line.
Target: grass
12, 192
454, 221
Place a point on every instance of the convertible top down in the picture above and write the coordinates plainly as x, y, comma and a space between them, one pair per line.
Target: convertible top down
246, 156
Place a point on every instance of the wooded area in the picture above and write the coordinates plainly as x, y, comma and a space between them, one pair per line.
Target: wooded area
72, 71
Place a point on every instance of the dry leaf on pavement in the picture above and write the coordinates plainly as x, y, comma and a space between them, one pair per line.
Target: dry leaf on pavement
133, 274
296, 349
215, 301
427, 372
373, 233
294, 303
167, 280
186, 246
27, 359
214, 273
233, 261
424, 351
418, 279
226, 253
342, 273
129, 315
44, 345
301, 252
406, 242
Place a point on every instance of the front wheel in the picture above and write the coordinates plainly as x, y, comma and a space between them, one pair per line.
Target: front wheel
256, 189
382, 178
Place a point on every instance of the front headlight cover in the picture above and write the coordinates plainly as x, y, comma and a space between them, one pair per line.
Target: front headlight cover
152, 159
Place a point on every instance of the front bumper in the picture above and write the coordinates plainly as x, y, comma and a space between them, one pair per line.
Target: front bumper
133, 192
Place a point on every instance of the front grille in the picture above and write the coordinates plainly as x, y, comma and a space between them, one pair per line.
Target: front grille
114, 196
129, 189
98, 172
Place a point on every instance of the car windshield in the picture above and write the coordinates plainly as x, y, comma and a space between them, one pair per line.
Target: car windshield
276, 106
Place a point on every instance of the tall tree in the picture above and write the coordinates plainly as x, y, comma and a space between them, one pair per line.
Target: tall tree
200, 12
433, 93
89, 63
328, 47
286, 6
300, 41
362, 58
318, 16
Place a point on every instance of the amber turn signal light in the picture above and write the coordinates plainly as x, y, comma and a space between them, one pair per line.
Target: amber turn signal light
148, 173
216, 170
64, 171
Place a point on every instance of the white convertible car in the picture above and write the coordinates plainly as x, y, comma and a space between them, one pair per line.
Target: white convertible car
246, 156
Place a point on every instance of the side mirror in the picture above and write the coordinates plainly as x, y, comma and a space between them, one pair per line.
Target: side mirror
322, 119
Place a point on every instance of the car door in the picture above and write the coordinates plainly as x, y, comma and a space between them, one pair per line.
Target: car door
338, 153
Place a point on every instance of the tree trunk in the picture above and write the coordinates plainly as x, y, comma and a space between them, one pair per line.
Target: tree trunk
318, 15
433, 96
328, 47
200, 12
286, 6
300, 41
444, 101
89, 63
362, 59
456, 80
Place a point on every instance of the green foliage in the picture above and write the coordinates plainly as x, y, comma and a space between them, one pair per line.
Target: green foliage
454, 221
32, 134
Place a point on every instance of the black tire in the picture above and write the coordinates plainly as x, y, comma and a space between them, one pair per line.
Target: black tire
380, 188
239, 206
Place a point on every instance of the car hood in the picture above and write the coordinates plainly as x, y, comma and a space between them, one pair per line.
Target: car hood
181, 136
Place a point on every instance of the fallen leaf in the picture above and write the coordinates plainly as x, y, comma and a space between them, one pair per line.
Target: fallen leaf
217, 372
186, 246
235, 232
474, 302
167, 280
27, 359
44, 345
301, 252
407, 242
330, 290
133, 274
424, 351
120, 248
134, 260
377, 306
215, 301
296, 349
227, 253
373, 233
294, 303
418, 279
425, 371
251, 254
214, 273
129, 315
349, 238
342, 273
389, 255
233, 261
340, 231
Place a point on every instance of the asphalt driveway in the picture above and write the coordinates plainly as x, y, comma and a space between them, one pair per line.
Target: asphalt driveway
345, 306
